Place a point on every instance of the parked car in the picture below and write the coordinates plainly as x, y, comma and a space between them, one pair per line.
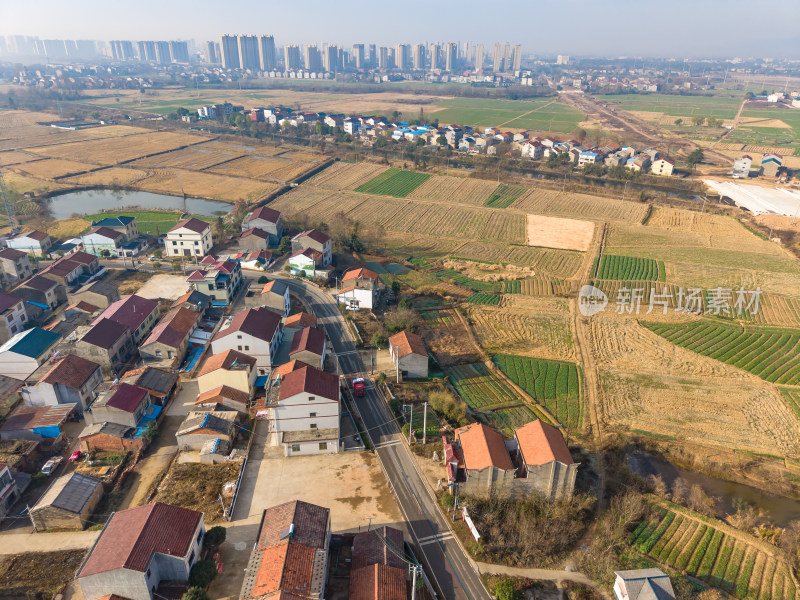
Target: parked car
51, 465
75, 456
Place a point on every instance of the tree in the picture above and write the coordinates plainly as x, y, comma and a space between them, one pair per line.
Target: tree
678, 122
695, 158
285, 245
202, 574
504, 590
712, 122
441, 140
263, 279
195, 593
449, 406
379, 341
158, 253
698, 121
176, 266
404, 304
95, 114
151, 432
215, 536
396, 287
749, 96
156, 265
105, 253
679, 489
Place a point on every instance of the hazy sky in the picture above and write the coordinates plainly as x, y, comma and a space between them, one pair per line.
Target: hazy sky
588, 27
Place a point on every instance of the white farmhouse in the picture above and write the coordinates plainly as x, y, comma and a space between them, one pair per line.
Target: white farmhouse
190, 237
256, 332
360, 289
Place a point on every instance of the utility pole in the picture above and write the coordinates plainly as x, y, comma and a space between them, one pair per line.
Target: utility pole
28, 508
455, 499
414, 582
411, 424
397, 363
425, 424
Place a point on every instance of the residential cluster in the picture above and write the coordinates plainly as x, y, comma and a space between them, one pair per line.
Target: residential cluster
771, 167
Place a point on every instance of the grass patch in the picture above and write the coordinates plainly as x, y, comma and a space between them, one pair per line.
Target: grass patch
504, 195
150, 222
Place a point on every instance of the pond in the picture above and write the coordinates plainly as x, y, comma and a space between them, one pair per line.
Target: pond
89, 202
778, 509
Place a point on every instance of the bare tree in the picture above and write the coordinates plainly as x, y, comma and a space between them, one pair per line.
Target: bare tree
659, 487
679, 490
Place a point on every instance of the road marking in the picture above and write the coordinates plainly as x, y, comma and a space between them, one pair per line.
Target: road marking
387, 444
435, 539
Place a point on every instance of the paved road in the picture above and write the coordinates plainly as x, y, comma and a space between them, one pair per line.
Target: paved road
443, 558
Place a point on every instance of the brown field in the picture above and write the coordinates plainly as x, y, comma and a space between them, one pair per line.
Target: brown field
67, 228
195, 158
113, 151
51, 168
449, 339
259, 167
114, 176
14, 157
440, 188
560, 263
346, 176
549, 202
204, 185
22, 184
556, 232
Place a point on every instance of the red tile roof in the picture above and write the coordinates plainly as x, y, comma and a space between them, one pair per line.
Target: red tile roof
483, 447
286, 568
314, 234
309, 380
111, 234
127, 397
81, 257
226, 360
40, 283
11, 254
174, 328
30, 417
132, 536
377, 582
267, 214
85, 307
197, 275
105, 333
222, 392
310, 524
541, 443
309, 339
288, 367
260, 323
191, 224
37, 235
373, 546
361, 273
7, 301
72, 371
260, 233
407, 343
130, 310
300, 320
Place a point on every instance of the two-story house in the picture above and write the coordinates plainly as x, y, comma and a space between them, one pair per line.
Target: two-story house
266, 219
102, 240
15, 264
41, 291
220, 279
106, 342
71, 380
27, 351
231, 369
124, 404
545, 460
360, 289
9, 492
256, 332
141, 547
137, 313
191, 237
36, 243
275, 297
314, 239
13, 316
168, 343
72, 269
124, 224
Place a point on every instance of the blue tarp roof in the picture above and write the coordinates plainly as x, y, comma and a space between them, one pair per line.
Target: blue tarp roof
261, 380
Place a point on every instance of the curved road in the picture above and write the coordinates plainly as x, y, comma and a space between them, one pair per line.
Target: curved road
445, 562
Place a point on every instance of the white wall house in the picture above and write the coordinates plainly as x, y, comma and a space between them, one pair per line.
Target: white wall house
256, 332
190, 237
34, 242
103, 238
27, 351
359, 289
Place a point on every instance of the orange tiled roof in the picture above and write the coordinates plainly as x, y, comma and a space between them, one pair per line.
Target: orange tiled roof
483, 447
541, 443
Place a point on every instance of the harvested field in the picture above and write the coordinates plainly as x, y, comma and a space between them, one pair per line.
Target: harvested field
549, 202
14, 158
25, 575
677, 219
560, 263
193, 158
259, 167
197, 486
22, 184
448, 338
555, 232
543, 333
346, 176
443, 188
112, 151
67, 228
51, 168
109, 176
205, 185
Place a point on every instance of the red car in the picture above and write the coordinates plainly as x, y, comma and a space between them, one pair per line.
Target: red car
75, 456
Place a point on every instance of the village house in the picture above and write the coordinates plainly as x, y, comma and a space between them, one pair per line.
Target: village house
162, 384
741, 167
376, 571
409, 354
106, 342
68, 503
168, 343
138, 314
42, 292
26, 351
360, 289
103, 241
300, 320
254, 239
36, 423
267, 220
191, 237
230, 368
15, 264
200, 426
224, 396
195, 300
770, 165
69, 270
141, 547
662, 166
13, 316
9, 491
71, 380
307, 263
308, 346
305, 414
479, 462
96, 293
290, 556
123, 403
220, 279
314, 239
256, 259
124, 224
275, 297
640, 163
255, 331
36, 243
545, 461
109, 436
643, 584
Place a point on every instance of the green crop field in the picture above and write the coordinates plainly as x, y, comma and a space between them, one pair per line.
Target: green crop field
484, 298
150, 222
505, 195
473, 284
486, 393
677, 106
394, 182
555, 384
544, 114
772, 353
695, 546
629, 268
792, 397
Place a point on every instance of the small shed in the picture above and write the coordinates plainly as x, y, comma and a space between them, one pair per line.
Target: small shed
200, 427
110, 436
36, 422
68, 502
409, 354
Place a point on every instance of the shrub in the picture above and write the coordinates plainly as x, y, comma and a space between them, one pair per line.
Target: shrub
447, 500
158, 253
504, 590
202, 574
195, 593
215, 536
176, 266
451, 408
156, 265
404, 304
379, 341
401, 320
263, 279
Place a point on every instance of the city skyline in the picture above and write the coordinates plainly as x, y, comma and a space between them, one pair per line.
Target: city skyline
708, 29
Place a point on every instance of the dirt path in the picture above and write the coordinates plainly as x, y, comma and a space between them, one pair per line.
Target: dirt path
540, 574
526, 114
734, 125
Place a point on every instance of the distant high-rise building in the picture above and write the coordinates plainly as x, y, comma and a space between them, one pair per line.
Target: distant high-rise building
291, 58
506, 56
497, 58
163, 55
358, 55
330, 59
562, 59
479, 57
373, 56
212, 56
85, 48
383, 58
313, 59
436, 57
450, 57
55, 49
248, 53
120, 50
147, 51
266, 47
402, 56
418, 53
179, 51
516, 58
229, 49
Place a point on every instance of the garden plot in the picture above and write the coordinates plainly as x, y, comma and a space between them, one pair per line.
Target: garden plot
448, 338
556, 232
394, 182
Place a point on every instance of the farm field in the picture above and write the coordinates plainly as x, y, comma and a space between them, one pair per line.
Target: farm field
108, 176
505, 195
706, 549
543, 114
204, 185
15, 158
260, 167
556, 384
447, 337
559, 263
676, 105
770, 353
549, 202
346, 176
151, 222
484, 298
195, 158
51, 168
394, 182
461, 190
489, 396
629, 268
557, 232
